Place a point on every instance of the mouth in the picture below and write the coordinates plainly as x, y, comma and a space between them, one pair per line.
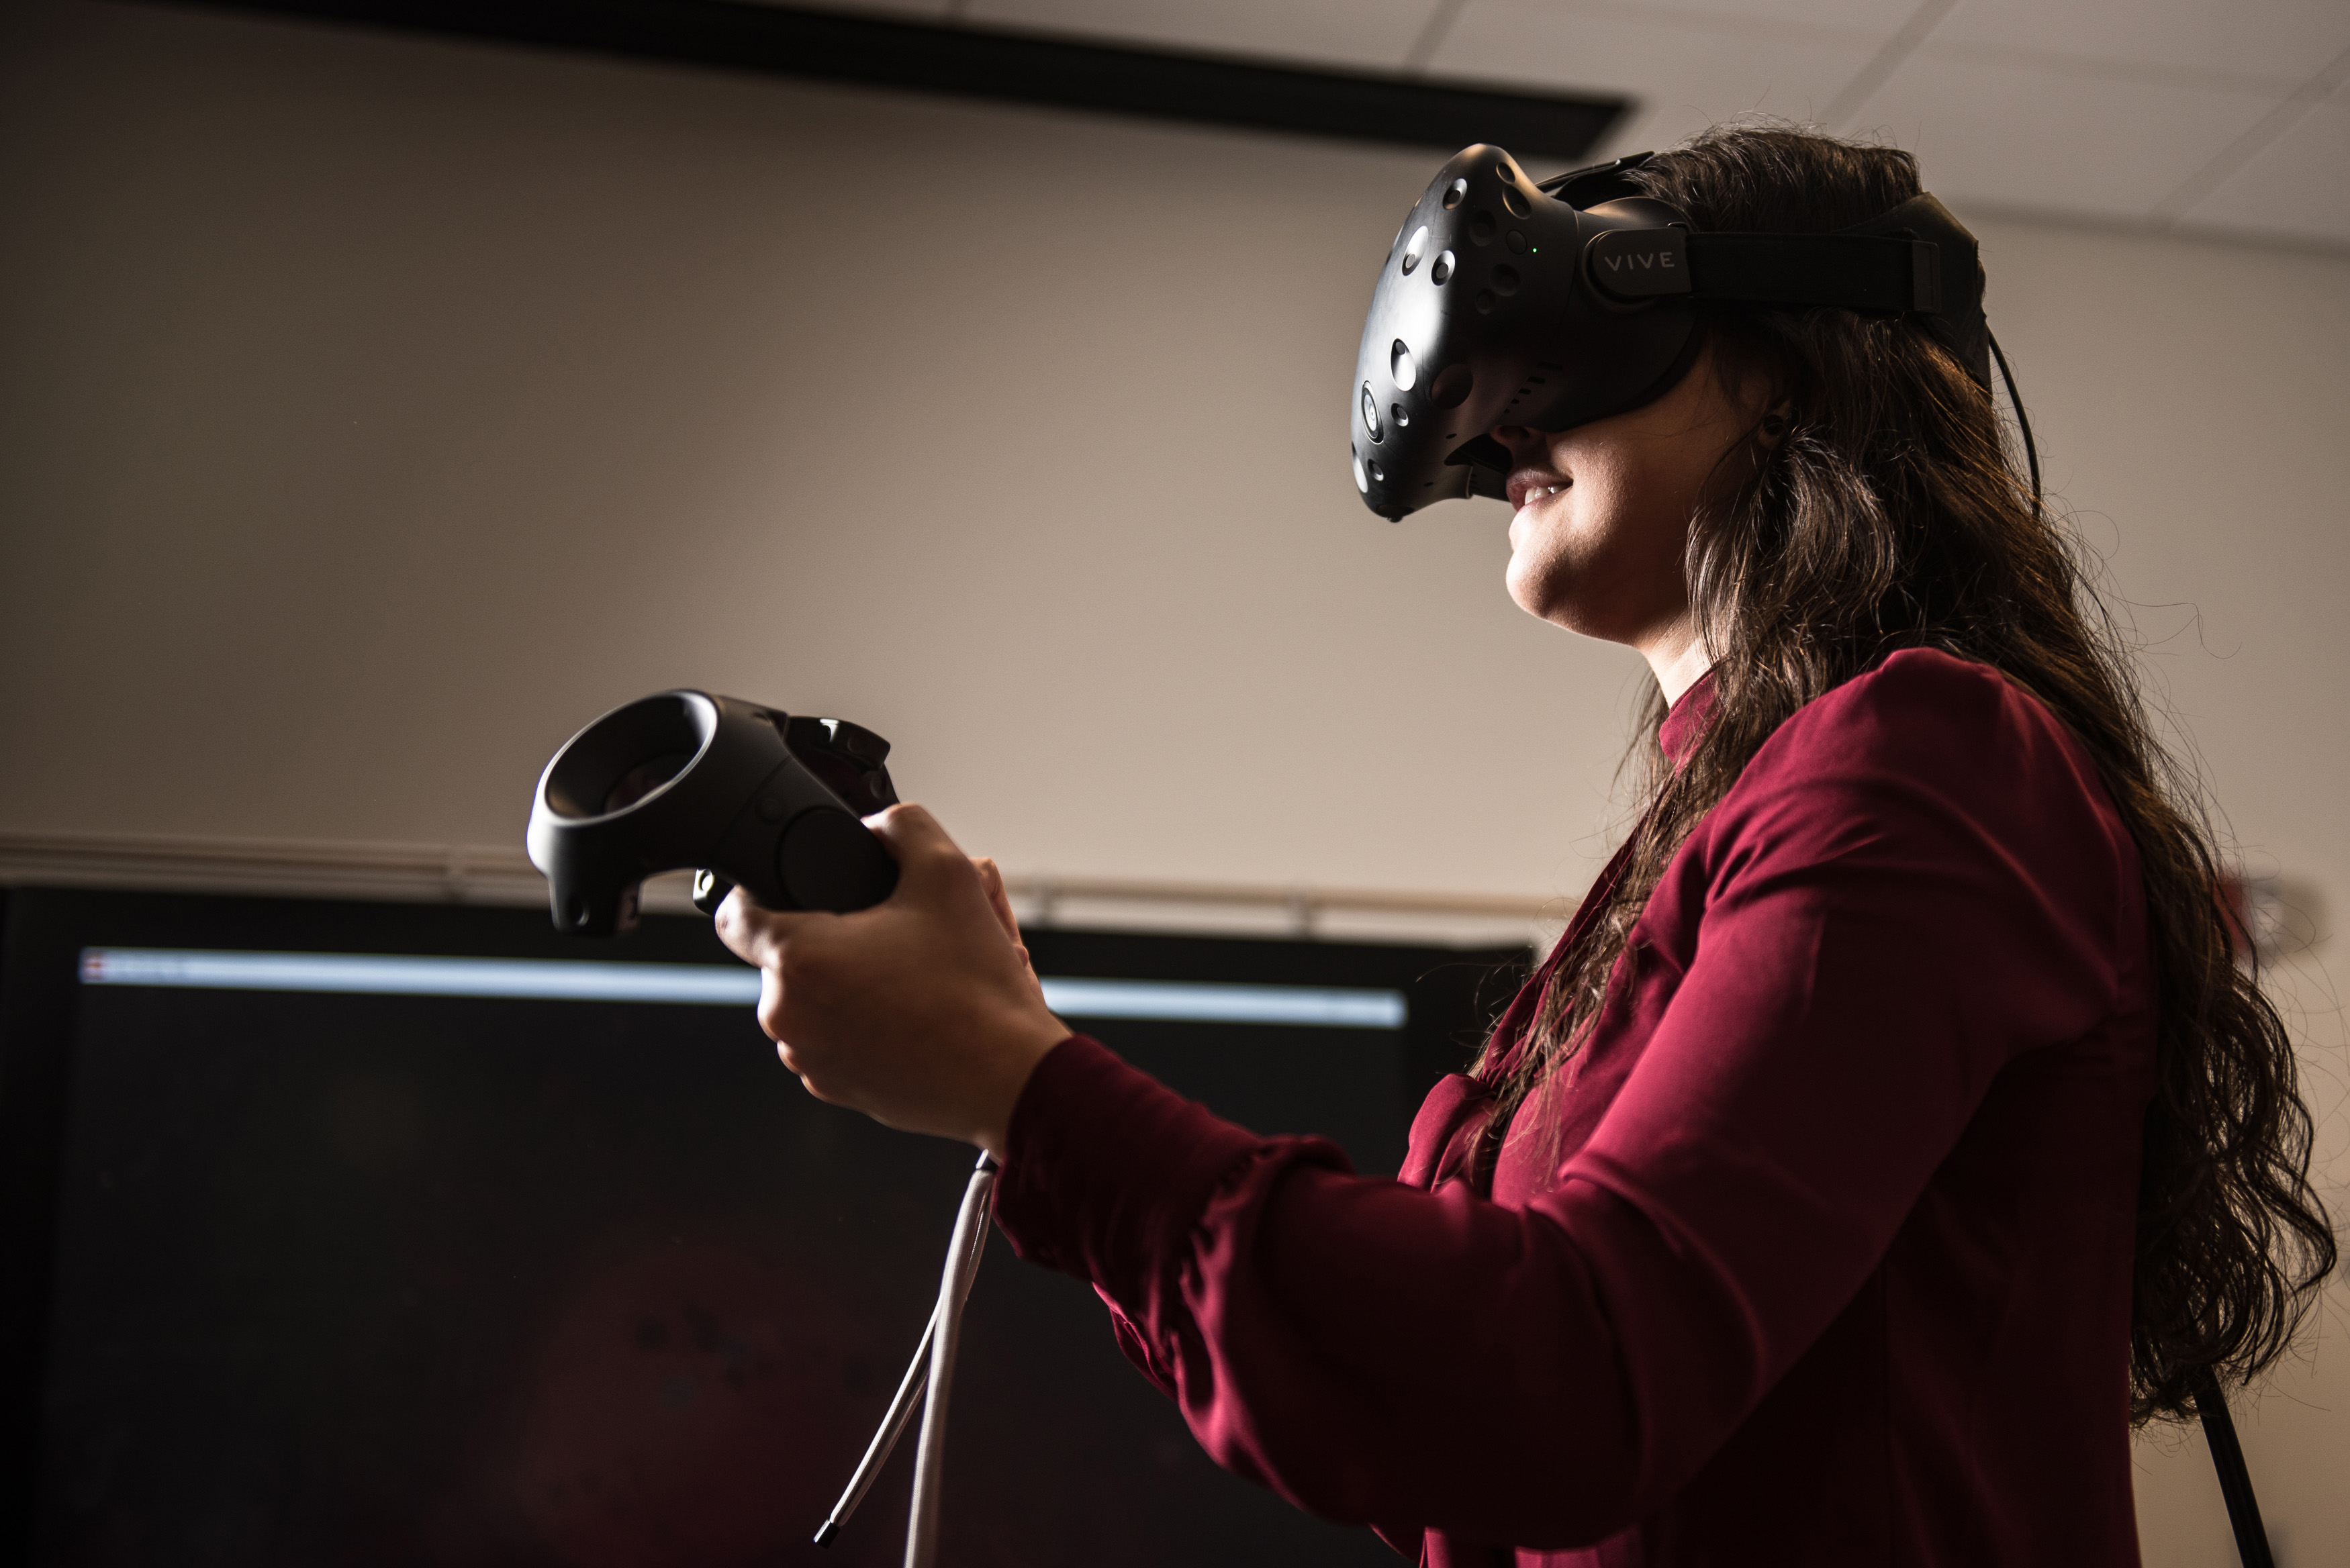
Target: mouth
1528, 485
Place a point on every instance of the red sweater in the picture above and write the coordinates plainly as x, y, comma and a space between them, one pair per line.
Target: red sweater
1820, 1253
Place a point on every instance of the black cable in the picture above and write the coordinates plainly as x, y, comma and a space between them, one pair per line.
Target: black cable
2235, 1480
2023, 423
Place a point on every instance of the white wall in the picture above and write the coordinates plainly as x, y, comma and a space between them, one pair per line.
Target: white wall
374, 411
385, 409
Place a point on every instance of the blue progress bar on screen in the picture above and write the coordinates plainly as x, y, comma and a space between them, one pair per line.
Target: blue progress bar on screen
568, 980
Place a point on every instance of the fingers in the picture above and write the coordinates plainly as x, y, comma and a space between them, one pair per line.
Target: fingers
791, 1066
999, 899
755, 933
921, 846
771, 1011
922, 1012
990, 879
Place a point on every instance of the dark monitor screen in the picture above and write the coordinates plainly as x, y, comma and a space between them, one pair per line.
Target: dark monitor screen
349, 1244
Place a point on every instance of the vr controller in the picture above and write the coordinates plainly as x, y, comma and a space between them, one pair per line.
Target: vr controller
742, 795
753, 797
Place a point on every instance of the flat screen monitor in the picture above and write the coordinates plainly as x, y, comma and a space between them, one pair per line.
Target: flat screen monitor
405, 1234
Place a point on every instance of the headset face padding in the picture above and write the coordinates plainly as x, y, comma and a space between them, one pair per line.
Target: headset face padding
1501, 302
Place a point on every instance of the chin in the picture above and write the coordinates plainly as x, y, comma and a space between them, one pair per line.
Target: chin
1530, 588
1552, 609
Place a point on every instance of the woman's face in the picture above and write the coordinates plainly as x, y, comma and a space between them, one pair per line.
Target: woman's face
1601, 513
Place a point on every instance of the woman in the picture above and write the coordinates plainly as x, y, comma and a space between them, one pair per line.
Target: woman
1891, 1129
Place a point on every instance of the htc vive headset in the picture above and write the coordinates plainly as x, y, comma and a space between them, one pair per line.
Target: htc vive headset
739, 793
1551, 305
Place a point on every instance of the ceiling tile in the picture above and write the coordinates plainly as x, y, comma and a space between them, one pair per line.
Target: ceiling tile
2029, 135
2288, 39
1358, 35
2298, 184
1685, 74
1879, 18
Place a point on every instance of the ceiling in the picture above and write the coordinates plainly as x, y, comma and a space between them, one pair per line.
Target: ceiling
2191, 115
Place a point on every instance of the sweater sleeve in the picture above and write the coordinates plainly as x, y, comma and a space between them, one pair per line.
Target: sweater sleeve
1914, 881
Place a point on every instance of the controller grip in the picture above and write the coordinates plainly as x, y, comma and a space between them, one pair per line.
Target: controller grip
824, 860
830, 860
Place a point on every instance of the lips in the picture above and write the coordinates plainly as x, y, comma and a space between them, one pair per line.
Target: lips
1531, 484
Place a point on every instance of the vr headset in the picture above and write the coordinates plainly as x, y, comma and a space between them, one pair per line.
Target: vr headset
1551, 305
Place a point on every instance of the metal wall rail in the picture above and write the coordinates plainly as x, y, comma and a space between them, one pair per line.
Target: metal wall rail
489, 874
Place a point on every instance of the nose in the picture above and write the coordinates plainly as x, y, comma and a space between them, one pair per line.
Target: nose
1514, 437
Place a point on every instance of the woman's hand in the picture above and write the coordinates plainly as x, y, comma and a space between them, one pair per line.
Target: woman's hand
921, 1012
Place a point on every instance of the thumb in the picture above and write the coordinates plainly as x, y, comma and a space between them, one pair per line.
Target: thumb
926, 857
755, 933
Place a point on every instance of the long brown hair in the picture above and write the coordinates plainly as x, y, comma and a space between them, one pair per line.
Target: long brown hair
1891, 514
